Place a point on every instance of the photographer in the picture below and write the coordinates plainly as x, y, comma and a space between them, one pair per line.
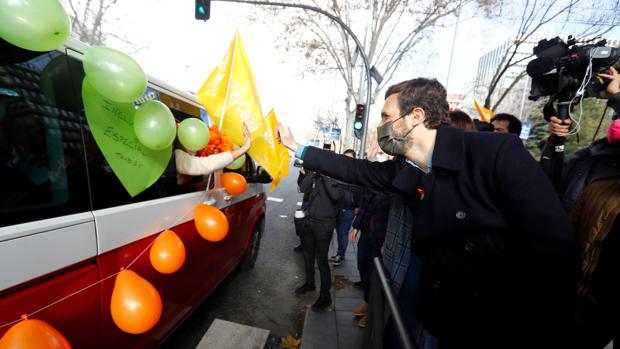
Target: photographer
564, 172
591, 192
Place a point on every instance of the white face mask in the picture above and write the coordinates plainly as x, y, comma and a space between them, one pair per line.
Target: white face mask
381, 157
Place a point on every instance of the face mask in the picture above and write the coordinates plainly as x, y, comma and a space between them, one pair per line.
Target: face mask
381, 157
613, 132
389, 143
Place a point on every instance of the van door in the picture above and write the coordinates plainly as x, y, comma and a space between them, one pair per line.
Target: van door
47, 232
127, 225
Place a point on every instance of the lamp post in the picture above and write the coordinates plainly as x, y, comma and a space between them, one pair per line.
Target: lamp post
350, 32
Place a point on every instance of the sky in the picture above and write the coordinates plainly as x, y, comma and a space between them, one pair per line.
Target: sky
182, 51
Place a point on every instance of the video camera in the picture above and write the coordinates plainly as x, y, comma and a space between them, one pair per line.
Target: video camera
565, 70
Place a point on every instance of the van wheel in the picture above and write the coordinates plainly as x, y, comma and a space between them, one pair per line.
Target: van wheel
249, 258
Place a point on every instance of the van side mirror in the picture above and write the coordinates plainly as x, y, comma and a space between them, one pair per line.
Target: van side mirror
262, 176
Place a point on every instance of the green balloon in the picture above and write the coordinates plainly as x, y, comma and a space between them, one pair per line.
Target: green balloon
154, 125
35, 25
113, 74
193, 134
238, 163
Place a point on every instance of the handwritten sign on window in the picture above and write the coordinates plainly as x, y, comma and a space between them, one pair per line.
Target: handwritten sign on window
111, 124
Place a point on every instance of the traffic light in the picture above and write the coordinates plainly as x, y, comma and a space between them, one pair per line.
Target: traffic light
203, 9
358, 123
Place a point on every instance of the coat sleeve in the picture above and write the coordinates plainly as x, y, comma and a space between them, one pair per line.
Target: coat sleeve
528, 196
376, 175
546, 240
197, 165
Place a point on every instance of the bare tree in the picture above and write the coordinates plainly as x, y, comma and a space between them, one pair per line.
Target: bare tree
90, 25
533, 16
324, 119
388, 29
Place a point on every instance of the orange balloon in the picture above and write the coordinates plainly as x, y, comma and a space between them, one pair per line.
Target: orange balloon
234, 183
32, 333
136, 304
167, 253
210, 222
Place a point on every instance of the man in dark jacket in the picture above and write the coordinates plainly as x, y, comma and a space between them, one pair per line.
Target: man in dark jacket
498, 257
324, 198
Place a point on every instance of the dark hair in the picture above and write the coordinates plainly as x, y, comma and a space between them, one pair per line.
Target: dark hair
514, 124
482, 126
349, 151
461, 119
428, 94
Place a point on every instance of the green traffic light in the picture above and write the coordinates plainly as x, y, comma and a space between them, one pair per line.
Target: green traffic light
201, 10
357, 125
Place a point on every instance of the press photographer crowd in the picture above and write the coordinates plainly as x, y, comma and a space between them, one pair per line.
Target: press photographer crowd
483, 245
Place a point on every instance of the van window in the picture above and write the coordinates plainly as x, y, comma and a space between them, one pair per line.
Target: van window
42, 167
247, 170
106, 188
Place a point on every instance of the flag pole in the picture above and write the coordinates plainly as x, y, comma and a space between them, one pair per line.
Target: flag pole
232, 64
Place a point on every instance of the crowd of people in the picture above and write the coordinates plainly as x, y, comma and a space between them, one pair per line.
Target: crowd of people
483, 246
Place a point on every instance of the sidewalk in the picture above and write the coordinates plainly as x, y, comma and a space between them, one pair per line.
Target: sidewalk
336, 328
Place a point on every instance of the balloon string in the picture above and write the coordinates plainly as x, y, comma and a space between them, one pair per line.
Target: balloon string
12, 322
108, 277
73, 294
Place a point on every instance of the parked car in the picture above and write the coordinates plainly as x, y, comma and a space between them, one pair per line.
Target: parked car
66, 221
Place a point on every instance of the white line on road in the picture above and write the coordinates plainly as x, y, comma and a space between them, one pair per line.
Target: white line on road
274, 199
283, 216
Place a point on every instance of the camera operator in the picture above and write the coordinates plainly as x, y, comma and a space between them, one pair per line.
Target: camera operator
590, 190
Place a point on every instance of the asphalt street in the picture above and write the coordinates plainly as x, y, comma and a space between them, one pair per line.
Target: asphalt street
262, 297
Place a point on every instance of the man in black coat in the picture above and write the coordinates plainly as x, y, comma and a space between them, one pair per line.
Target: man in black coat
324, 200
498, 256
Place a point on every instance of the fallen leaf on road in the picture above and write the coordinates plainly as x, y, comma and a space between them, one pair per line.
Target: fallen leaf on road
289, 342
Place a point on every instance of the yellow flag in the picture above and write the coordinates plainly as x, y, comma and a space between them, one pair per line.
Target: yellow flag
229, 95
485, 114
281, 157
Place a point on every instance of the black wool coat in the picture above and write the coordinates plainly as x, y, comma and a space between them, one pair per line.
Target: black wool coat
499, 258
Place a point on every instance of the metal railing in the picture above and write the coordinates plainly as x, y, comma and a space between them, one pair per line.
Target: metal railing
401, 327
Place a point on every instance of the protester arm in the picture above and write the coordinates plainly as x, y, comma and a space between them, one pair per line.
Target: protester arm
196, 166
